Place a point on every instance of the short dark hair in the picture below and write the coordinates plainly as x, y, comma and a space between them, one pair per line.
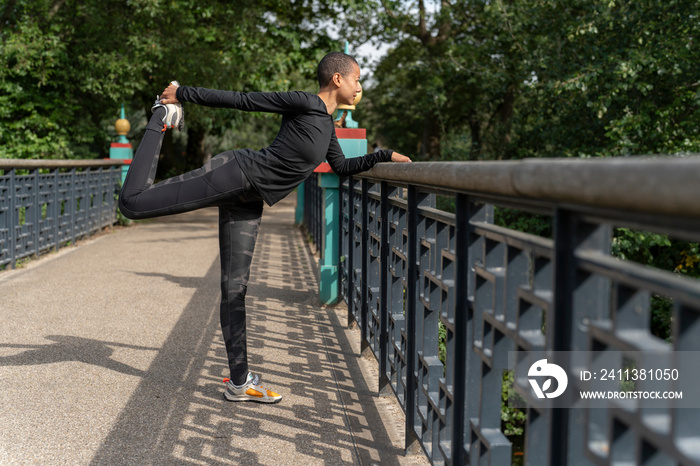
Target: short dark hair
332, 63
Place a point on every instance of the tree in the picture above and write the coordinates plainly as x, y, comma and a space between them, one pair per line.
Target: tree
616, 78
456, 69
408, 77
65, 66
512, 78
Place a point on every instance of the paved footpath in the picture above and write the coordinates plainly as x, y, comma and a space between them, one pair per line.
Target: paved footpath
111, 353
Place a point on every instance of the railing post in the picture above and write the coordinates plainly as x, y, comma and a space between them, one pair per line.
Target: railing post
577, 299
318, 217
308, 196
85, 204
364, 305
14, 218
100, 196
350, 259
342, 266
55, 209
353, 142
384, 388
36, 212
473, 249
412, 442
462, 317
73, 204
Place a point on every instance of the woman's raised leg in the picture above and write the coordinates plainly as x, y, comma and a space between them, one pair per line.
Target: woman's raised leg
219, 180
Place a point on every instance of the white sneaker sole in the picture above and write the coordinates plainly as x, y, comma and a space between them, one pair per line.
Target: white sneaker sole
231, 397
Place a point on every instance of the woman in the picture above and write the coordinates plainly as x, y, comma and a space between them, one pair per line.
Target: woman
239, 181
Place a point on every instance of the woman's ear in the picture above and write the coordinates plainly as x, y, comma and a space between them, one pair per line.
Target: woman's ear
337, 78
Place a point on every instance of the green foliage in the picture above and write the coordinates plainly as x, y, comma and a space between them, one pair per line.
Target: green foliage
442, 342
628, 78
23, 262
66, 66
540, 225
121, 219
658, 251
661, 317
503, 79
512, 418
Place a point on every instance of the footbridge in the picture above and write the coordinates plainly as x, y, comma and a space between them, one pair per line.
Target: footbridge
110, 345
110, 349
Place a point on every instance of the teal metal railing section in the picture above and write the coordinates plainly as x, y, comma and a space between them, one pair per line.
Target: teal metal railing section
413, 274
45, 204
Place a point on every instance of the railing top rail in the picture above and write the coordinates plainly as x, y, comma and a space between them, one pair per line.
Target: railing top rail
7, 164
667, 185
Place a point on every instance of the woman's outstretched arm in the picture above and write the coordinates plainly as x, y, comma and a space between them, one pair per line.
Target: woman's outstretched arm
271, 102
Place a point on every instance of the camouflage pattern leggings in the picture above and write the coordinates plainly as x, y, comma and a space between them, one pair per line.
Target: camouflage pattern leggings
220, 182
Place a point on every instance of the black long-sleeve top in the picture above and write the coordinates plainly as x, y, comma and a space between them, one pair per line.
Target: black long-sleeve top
305, 138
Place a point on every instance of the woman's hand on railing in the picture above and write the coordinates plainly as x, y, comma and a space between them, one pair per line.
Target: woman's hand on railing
396, 157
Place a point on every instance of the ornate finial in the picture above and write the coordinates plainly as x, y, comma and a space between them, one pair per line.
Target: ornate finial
122, 126
358, 97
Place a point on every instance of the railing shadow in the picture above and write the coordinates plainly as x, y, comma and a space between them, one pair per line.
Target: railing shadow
177, 414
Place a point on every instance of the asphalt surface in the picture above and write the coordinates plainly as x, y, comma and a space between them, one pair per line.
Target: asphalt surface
111, 353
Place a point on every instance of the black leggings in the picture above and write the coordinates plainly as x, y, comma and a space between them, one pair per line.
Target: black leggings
220, 182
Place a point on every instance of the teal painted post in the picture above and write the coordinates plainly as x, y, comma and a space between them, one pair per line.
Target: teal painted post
330, 258
122, 148
299, 211
346, 111
353, 142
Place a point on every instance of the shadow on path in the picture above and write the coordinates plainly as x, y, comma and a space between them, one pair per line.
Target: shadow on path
184, 282
177, 414
69, 348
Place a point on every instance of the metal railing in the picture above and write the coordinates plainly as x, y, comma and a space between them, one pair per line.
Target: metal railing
45, 204
411, 270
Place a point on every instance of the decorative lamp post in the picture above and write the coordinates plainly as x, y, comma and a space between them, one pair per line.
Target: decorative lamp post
344, 115
122, 148
353, 142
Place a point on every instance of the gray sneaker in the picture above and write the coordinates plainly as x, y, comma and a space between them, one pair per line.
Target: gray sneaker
174, 115
250, 391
